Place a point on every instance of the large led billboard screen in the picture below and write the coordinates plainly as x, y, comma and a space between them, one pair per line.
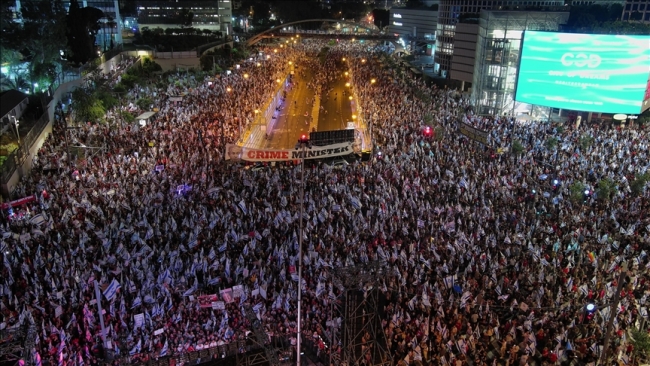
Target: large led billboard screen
585, 72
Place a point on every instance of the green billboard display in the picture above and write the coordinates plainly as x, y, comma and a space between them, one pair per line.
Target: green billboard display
585, 72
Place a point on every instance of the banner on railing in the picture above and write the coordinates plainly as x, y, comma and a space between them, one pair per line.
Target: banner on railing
472, 133
19, 202
234, 152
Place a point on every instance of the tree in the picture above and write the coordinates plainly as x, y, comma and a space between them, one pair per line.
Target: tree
86, 106
144, 103
381, 17
42, 36
150, 66
9, 49
577, 192
414, 4
551, 143
185, 18
83, 26
517, 148
638, 184
641, 343
606, 189
585, 142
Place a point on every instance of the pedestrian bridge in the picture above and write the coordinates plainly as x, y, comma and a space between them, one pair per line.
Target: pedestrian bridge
343, 30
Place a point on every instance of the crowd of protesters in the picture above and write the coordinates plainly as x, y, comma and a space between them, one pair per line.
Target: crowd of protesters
490, 258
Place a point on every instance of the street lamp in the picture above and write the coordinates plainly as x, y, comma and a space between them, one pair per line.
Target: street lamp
16, 124
372, 81
303, 143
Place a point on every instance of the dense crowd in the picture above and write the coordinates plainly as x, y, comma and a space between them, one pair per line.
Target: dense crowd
489, 259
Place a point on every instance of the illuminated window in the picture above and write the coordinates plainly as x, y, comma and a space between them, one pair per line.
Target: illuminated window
397, 24
397, 16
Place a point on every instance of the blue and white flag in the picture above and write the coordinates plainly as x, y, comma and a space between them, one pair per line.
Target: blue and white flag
242, 205
38, 219
111, 290
136, 349
163, 351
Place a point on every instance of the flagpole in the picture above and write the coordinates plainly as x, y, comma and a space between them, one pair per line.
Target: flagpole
612, 313
98, 298
300, 235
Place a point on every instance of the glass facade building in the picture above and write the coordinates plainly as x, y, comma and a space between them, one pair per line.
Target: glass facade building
450, 13
497, 55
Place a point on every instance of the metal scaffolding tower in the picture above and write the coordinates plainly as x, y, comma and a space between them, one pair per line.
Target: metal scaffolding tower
17, 344
270, 354
362, 336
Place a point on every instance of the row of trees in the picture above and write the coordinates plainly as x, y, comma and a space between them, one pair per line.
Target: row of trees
176, 39
91, 103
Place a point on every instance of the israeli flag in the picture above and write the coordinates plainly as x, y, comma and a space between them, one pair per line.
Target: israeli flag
163, 351
137, 302
111, 290
449, 281
223, 247
136, 349
38, 219
355, 203
242, 205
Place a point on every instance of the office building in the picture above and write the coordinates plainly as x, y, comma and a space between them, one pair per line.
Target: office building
214, 14
415, 27
464, 56
636, 11
497, 55
450, 12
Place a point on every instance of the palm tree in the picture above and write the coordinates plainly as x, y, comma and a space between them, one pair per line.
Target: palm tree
19, 82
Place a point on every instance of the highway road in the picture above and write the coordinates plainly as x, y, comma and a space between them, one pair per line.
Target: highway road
296, 114
336, 110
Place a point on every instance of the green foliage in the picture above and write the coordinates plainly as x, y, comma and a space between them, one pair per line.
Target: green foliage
586, 141
606, 189
551, 143
517, 147
119, 88
83, 26
127, 117
641, 342
439, 133
39, 38
559, 129
577, 191
107, 98
175, 39
639, 183
144, 103
428, 119
129, 80
86, 106
149, 66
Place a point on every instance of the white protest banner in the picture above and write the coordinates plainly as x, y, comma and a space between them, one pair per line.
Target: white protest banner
159, 331
234, 152
237, 291
138, 319
219, 305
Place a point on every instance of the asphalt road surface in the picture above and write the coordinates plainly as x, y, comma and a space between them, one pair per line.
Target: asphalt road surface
336, 104
295, 115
